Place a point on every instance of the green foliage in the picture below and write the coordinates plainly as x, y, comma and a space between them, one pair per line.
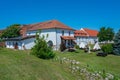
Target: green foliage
41, 49
18, 65
1, 40
106, 34
107, 48
77, 47
17, 62
11, 31
116, 48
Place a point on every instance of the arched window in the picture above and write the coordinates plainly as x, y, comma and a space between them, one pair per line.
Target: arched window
50, 43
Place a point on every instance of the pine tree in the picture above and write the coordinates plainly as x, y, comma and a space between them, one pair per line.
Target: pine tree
116, 48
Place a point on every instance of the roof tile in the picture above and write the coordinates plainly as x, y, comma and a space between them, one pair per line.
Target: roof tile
44, 25
68, 37
86, 32
92, 33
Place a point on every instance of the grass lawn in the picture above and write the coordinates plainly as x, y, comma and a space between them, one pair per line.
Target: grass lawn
110, 63
19, 65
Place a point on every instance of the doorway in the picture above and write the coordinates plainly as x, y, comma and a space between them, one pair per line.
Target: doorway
16, 46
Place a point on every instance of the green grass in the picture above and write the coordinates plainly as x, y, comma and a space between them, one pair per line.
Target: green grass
110, 63
19, 65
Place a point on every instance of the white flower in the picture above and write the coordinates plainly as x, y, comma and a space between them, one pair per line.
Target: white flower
77, 62
110, 76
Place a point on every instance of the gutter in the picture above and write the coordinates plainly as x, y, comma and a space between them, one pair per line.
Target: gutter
56, 38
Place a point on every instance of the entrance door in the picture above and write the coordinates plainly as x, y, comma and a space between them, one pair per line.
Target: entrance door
16, 46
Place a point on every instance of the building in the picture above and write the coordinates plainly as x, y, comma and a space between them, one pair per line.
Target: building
86, 36
57, 31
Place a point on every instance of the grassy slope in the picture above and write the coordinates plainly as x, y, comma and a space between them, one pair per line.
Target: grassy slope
17, 65
111, 63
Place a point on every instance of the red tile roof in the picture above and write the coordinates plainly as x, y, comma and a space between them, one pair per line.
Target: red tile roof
86, 32
67, 37
92, 33
23, 30
44, 25
49, 25
80, 33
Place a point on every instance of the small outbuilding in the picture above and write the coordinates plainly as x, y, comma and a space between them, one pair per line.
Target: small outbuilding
96, 46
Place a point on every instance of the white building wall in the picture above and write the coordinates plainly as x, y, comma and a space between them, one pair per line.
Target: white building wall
59, 34
51, 35
11, 44
30, 33
54, 35
27, 43
90, 40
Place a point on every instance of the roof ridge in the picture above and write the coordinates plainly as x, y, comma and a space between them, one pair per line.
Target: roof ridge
90, 29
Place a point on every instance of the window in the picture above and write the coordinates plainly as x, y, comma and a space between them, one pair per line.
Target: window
50, 43
69, 33
28, 34
62, 33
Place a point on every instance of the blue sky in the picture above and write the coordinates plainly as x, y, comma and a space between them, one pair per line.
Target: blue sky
75, 13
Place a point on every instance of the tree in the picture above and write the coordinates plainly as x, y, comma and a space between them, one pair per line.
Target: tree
11, 31
106, 34
116, 47
41, 48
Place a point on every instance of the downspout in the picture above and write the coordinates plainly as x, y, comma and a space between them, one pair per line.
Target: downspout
56, 38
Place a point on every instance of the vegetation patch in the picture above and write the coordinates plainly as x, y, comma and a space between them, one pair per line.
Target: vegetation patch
41, 48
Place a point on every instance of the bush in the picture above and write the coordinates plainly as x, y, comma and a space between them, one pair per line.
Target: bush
2, 44
107, 48
41, 49
77, 47
101, 54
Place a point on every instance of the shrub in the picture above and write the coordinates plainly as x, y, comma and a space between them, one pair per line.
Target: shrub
77, 47
2, 44
107, 48
101, 54
41, 49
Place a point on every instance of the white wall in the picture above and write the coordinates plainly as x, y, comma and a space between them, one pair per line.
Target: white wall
54, 36
28, 43
86, 39
51, 35
59, 34
10, 44
31, 33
